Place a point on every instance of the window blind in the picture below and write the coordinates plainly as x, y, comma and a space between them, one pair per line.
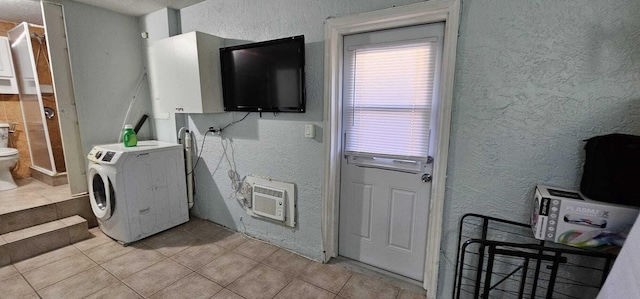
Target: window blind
388, 97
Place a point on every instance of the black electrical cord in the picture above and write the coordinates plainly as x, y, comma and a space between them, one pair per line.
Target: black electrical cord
212, 130
235, 122
200, 154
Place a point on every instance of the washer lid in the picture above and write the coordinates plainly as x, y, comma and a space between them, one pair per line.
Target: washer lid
3, 125
143, 146
7, 151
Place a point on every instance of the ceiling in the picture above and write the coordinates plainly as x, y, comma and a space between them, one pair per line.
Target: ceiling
21, 10
29, 10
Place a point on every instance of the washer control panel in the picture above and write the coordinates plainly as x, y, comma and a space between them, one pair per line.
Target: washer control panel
103, 156
108, 156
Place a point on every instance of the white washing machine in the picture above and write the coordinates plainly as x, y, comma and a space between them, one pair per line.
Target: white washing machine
137, 191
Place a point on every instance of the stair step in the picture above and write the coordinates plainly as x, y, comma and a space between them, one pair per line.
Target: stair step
24, 216
31, 241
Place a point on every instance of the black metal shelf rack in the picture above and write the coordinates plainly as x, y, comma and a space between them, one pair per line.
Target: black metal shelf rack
501, 259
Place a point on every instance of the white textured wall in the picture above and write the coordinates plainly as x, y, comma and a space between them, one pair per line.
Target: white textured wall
160, 24
106, 60
533, 79
271, 146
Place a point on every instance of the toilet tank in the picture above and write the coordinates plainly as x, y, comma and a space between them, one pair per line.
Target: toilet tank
4, 135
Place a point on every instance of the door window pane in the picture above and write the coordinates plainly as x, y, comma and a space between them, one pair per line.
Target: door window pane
388, 99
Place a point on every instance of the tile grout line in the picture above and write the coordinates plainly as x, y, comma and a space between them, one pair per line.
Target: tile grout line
261, 261
389, 278
249, 270
164, 258
202, 266
170, 284
236, 293
99, 265
38, 291
28, 283
322, 288
194, 271
285, 286
345, 283
50, 262
42, 266
119, 280
310, 264
10, 276
258, 263
147, 267
226, 252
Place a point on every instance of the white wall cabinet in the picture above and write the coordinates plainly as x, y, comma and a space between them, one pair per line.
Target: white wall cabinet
8, 82
185, 74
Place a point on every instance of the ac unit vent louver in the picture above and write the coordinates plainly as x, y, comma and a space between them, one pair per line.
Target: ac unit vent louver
268, 202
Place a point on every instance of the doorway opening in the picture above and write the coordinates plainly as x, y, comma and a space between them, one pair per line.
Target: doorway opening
389, 99
38, 103
335, 31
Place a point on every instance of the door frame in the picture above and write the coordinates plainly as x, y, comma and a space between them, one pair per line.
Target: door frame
63, 86
447, 11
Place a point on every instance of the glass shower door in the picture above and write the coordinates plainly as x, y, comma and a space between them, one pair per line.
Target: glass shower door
31, 99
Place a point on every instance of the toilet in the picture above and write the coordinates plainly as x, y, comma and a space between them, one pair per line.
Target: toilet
8, 158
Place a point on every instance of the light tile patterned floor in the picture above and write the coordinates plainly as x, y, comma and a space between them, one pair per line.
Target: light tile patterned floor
196, 260
31, 192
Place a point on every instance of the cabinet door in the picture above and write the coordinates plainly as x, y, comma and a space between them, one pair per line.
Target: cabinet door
187, 94
162, 76
174, 64
185, 74
8, 80
6, 69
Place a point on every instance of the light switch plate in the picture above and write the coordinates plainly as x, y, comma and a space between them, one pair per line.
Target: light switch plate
309, 131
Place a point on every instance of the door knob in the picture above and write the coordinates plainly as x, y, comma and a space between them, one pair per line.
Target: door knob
426, 178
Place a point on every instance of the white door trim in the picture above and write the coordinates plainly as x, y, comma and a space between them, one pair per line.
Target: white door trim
447, 11
62, 77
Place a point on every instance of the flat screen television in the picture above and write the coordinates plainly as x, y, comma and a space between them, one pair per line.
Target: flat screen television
265, 76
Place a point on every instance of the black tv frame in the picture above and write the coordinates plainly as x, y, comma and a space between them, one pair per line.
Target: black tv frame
301, 108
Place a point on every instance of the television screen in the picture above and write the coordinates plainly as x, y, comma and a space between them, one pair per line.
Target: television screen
264, 77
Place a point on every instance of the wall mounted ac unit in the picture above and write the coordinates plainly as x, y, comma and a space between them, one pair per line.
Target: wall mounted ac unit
268, 202
272, 200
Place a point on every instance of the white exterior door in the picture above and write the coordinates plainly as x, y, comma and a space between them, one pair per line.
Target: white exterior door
389, 100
